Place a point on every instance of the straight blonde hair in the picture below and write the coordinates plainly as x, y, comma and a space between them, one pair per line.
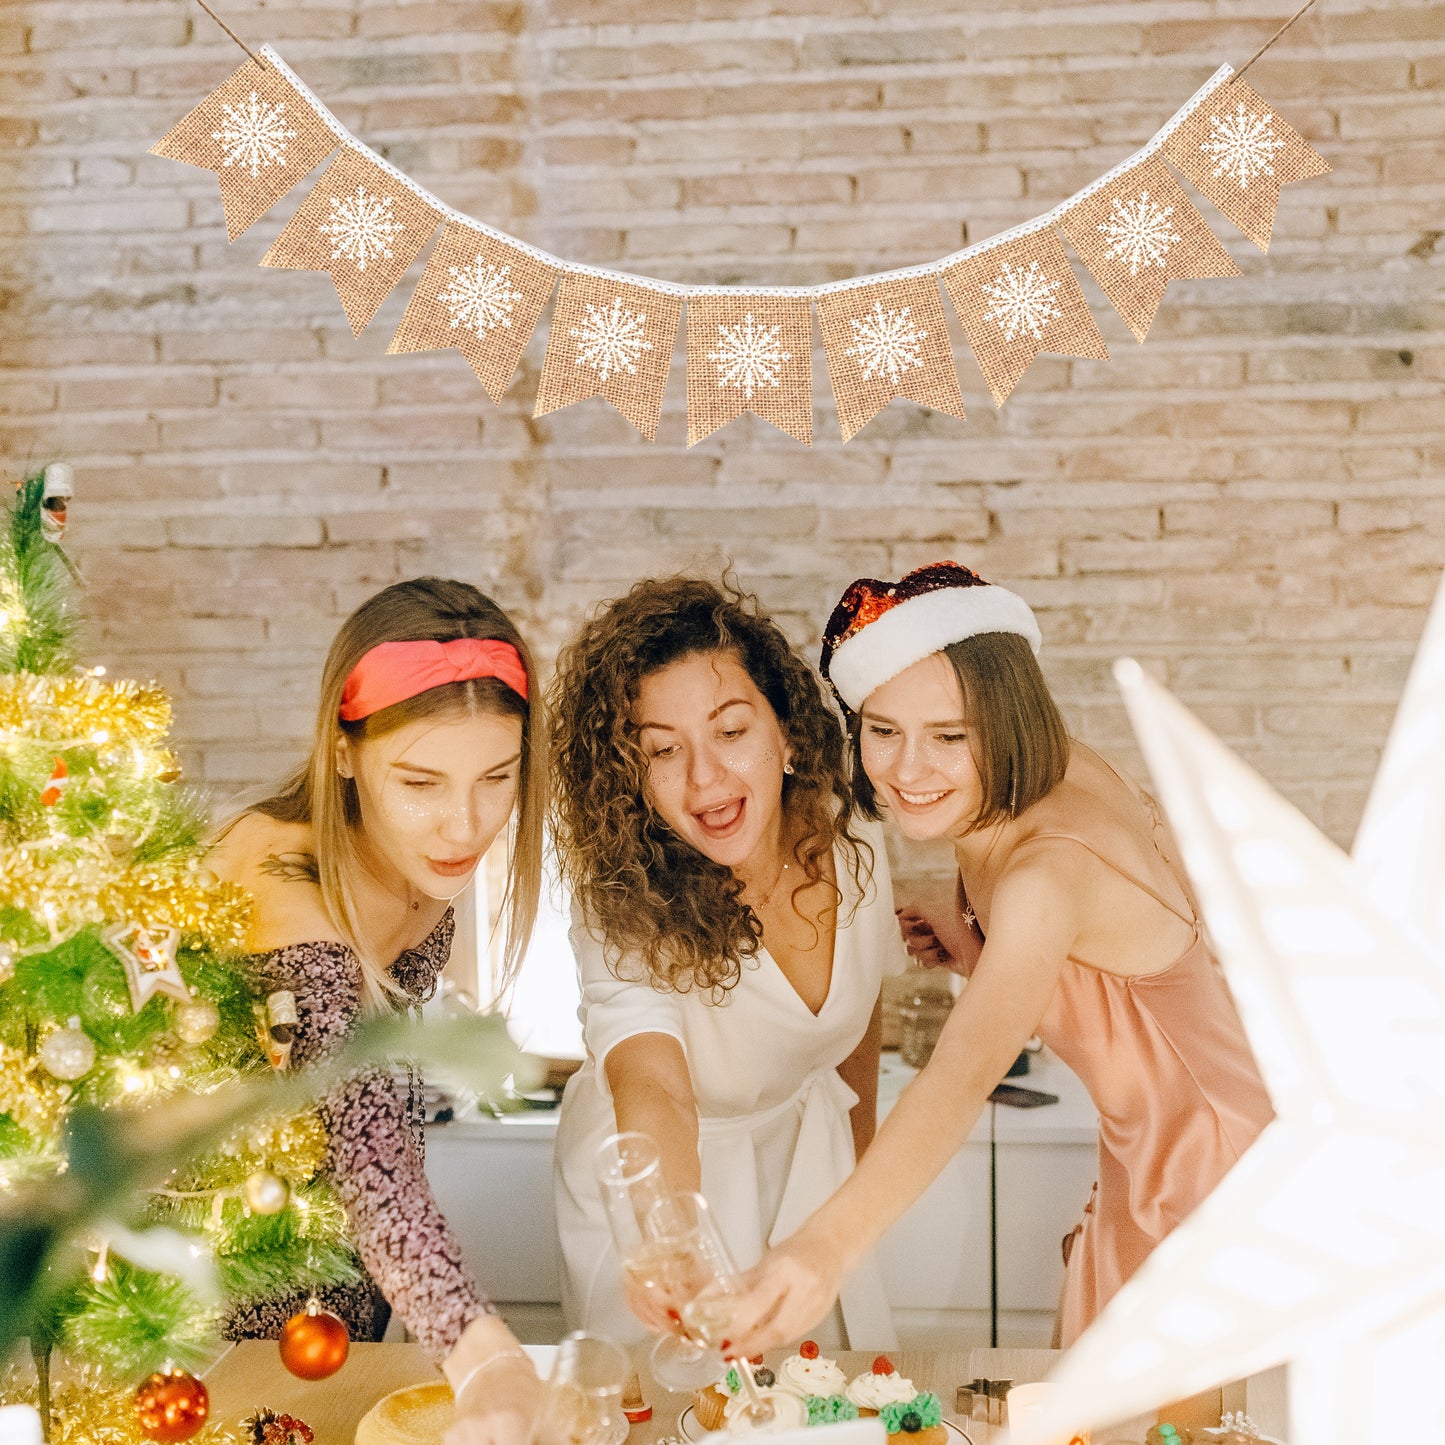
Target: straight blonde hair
430, 609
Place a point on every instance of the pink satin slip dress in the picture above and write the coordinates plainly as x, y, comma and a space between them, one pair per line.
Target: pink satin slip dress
1165, 1060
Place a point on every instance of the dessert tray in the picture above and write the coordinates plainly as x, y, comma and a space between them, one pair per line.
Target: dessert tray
689, 1429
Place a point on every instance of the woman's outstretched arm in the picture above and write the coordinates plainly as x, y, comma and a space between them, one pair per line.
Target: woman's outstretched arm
1032, 930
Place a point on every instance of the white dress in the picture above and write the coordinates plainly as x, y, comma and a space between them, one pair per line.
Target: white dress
774, 1134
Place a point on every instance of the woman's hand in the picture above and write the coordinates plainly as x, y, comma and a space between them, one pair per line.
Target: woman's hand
497, 1389
935, 932
922, 943
786, 1294
498, 1405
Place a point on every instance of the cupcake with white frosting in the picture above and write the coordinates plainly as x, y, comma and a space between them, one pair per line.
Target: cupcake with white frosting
789, 1412
809, 1373
880, 1386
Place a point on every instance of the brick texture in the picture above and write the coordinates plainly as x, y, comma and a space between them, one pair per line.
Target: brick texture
1253, 502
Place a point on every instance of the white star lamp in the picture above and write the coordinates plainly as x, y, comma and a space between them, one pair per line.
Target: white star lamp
1325, 1245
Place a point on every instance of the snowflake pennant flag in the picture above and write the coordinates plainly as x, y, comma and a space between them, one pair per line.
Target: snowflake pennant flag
1139, 233
884, 341
1239, 152
364, 226
260, 137
483, 297
613, 340
749, 353
1016, 300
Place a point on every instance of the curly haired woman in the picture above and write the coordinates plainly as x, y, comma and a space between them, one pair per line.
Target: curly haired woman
732, 931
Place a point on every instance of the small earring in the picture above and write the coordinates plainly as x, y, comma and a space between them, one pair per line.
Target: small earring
788, 769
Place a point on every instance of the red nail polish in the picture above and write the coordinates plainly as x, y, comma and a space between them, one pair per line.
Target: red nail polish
674, 1317
725, 1346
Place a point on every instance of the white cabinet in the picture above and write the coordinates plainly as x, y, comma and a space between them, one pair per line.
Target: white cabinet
493, 1179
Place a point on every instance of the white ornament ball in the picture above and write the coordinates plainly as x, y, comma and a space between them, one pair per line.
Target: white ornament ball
197, 1021
68, 1053
266, 1193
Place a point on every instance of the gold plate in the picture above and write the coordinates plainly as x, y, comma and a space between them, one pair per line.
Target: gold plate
415, 1415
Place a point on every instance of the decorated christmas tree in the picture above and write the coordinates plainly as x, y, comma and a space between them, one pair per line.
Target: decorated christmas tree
119, 985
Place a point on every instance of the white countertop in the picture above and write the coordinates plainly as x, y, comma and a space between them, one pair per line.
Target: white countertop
1071, 1121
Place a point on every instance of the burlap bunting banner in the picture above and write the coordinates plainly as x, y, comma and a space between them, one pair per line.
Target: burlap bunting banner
483, 297
1016, 300
749, 353
885, 336
611, 340
1139, 233
363, 226
885, 341
1239, 152
258, 134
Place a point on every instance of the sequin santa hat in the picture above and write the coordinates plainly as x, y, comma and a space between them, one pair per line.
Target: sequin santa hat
879, 629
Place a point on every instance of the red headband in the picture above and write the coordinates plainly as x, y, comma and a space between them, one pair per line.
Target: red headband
394, 671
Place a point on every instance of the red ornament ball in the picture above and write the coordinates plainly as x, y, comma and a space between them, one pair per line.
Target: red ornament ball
171, 1406
314, 1344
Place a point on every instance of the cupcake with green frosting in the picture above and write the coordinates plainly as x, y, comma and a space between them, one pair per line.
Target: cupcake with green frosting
918, 1421
830, 1409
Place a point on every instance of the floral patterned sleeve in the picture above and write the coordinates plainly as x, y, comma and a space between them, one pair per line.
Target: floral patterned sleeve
375, 1160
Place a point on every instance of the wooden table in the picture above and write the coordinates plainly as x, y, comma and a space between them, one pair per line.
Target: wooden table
250, 1375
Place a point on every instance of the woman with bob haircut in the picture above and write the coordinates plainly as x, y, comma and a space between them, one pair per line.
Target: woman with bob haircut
732, 928
1071, 921
429, 739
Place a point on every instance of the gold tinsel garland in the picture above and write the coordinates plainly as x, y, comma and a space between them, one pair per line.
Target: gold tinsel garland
29, 1096
70, 710
74, 886
88, 1409
293, 1147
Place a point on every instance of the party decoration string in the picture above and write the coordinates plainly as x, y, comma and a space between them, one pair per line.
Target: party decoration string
748, 348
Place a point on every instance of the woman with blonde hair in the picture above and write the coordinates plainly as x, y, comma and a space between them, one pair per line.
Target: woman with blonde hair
732, 929
1071, 921
429, 740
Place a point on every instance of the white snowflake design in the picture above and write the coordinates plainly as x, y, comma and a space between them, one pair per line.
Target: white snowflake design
1022, 301
1242, 146
361, 227
612, 340
886, 341
1139, 232
749, 356
254, 136
480, 297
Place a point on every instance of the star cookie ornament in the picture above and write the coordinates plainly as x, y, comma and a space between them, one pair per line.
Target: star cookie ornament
149, 959
1325, 1245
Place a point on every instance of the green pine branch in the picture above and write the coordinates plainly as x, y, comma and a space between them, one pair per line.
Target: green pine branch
36, 592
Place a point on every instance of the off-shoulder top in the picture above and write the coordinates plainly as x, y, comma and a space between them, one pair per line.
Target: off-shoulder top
375, 1158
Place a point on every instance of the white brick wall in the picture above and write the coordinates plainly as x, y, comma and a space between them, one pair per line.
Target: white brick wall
1253, 502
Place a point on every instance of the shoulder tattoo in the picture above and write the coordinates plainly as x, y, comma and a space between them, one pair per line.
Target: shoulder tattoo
291, 867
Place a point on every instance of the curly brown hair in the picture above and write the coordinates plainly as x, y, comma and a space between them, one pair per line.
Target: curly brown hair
648, 893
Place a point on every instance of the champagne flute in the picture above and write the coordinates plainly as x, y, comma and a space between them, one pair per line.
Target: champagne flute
628, 1167
685, 1259
583, 1401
